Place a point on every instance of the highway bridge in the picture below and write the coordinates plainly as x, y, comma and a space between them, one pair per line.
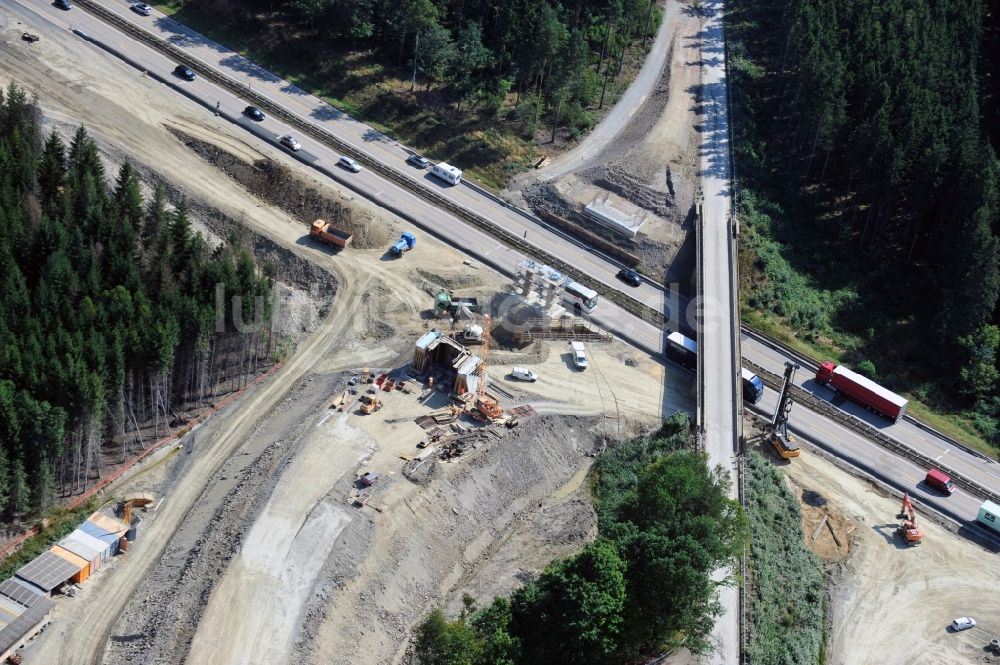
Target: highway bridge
502, 236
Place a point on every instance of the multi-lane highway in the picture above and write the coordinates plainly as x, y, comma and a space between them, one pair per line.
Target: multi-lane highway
720, 367
358, 135
444, 224
912, 433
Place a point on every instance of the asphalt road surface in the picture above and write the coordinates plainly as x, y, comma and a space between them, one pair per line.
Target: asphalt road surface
645, 335
720, 321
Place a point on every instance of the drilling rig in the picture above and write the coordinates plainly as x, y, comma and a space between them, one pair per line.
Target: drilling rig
908, 529
783, 442
484, 403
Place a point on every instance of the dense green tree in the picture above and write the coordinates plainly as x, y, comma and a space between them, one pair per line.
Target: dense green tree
574, 613
869, 188
679, 528
980, 375
443, 642
665, 525
105, 314
492, 625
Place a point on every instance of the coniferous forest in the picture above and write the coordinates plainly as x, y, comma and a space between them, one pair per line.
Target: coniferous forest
108, 322
870, 188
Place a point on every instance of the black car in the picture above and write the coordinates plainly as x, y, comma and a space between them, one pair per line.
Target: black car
630, 277
254, 113
184, 72
63, 4
418, 161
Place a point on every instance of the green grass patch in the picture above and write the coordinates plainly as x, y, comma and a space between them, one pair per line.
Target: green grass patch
61, 522
786, 579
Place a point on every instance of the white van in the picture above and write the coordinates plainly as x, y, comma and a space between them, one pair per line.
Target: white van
523, 374
579, 355
447, 172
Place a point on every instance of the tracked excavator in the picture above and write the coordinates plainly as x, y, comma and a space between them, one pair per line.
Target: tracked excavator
908, 529
783, 442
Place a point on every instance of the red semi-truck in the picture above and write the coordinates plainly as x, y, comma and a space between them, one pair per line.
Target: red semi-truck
862, 390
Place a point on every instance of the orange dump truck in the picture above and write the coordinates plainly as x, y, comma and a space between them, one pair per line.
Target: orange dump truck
328, 234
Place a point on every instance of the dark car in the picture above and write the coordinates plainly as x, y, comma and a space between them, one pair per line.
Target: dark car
630, 277
184, 72
254, 113
418, 161
63, 4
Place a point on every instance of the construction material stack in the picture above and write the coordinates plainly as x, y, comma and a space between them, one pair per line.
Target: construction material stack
369, 404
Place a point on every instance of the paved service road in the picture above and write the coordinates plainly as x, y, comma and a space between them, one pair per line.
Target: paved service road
618, 118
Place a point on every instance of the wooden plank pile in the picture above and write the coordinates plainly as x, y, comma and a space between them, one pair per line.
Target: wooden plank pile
456, 445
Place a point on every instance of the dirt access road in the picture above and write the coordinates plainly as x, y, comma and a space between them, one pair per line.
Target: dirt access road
890, 602
622, 113
175, 587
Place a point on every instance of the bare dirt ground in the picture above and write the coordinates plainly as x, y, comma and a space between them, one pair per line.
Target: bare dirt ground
890, 602
253, 554
652, 162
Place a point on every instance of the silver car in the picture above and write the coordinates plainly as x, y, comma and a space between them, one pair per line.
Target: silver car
290, 142
141, 8
349, 164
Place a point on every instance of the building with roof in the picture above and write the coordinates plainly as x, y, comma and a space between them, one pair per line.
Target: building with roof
47, 572
82, 565
108, 530
93, 550
23, 612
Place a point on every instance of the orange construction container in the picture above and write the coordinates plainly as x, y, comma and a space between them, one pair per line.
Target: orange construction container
76, 560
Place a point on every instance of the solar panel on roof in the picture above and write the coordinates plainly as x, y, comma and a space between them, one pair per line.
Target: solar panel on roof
19, 592
9, 610
47, 571
16, 629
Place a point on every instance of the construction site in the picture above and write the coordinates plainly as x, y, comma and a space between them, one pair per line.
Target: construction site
292, 525
430, 430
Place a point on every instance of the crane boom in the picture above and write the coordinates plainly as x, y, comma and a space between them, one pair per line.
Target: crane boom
484, 403
784, 443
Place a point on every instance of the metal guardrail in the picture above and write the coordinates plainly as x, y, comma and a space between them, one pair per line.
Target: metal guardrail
639, 309
871, 433
327, 138
813, 364
699, 361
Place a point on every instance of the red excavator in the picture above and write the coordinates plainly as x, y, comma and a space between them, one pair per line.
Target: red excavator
908, 529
